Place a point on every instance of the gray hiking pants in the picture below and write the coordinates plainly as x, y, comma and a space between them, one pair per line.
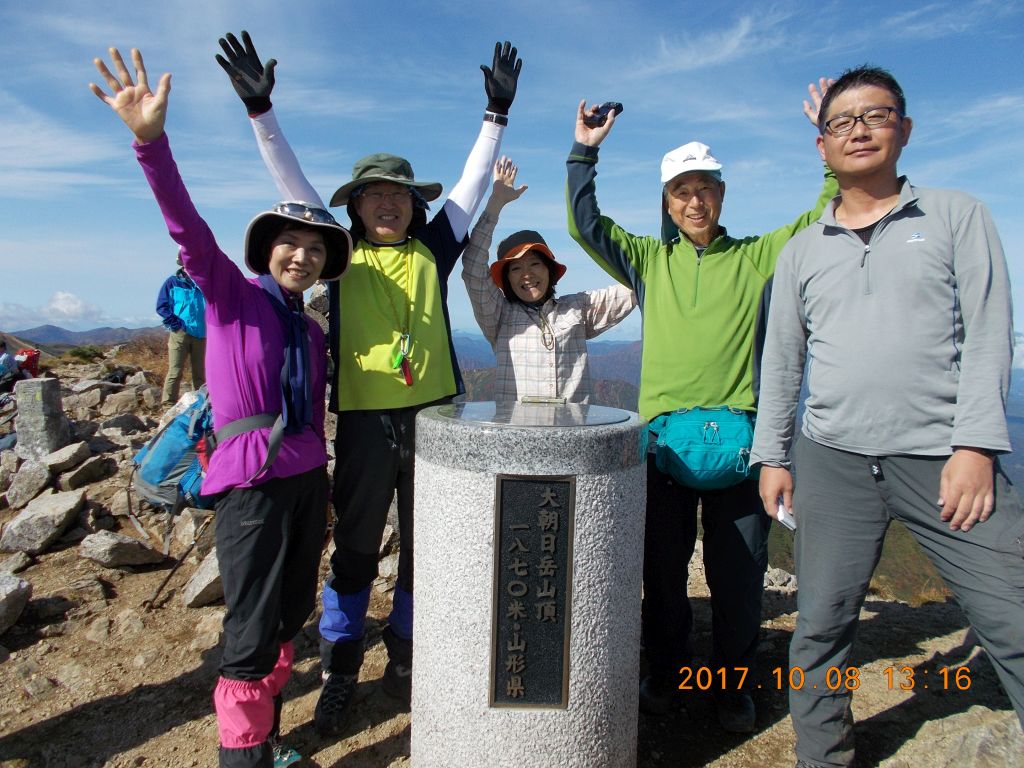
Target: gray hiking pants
843, 511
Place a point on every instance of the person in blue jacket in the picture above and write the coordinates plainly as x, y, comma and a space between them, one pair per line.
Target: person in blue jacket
182, 307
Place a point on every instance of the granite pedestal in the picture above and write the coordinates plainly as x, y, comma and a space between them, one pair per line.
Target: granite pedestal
528, 563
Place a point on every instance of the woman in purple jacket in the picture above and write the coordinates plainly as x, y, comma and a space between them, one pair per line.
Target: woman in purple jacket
266, 369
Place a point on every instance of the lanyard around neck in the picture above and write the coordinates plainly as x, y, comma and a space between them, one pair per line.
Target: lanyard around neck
404, 328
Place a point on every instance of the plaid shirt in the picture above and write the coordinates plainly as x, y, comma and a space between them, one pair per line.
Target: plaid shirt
526, 367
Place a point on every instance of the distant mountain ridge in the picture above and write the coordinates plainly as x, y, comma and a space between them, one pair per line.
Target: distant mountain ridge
614, 369
52, 334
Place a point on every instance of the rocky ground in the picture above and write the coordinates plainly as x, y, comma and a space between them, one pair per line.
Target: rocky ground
92, 677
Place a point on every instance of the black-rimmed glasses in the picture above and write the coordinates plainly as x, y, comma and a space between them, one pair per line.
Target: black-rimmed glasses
377, 197
872, 118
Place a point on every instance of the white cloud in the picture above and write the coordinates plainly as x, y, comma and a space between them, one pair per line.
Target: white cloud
68, 307
63, 309
690, 53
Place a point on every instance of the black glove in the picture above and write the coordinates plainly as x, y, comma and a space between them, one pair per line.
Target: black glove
501, 77
252, 81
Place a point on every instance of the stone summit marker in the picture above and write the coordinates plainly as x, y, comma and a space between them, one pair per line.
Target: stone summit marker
528, 561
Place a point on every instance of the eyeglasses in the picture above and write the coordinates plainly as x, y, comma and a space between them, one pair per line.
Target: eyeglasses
398, 196
872, 118
305, 212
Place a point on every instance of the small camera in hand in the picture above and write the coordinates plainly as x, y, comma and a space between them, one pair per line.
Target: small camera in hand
600, 117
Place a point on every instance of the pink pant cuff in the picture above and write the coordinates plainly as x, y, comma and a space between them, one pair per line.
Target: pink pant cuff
245, 708
245, 712
276, 680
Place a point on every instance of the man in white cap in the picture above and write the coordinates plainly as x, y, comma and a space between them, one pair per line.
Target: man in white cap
703, 298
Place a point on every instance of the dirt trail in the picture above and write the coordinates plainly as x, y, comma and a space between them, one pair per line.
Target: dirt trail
93, 680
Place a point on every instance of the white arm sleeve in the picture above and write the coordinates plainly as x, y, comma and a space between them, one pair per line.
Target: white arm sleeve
281, 161
468, 193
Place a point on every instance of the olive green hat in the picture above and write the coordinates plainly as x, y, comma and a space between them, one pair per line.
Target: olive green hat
384, 167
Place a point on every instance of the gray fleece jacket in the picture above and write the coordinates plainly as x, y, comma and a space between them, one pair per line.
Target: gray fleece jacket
908, 339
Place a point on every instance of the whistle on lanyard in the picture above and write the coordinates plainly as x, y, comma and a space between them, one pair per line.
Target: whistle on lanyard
402, 359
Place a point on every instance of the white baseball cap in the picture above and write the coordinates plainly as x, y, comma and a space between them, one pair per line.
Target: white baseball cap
689, 158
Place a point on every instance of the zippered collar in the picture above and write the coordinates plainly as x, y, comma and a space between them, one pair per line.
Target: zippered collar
908, 197
712, 247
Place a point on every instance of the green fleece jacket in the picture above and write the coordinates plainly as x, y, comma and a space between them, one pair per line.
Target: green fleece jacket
701, 316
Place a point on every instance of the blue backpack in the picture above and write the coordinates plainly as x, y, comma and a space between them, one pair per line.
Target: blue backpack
169, 468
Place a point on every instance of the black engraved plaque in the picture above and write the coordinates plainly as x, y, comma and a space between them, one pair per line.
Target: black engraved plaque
531, 608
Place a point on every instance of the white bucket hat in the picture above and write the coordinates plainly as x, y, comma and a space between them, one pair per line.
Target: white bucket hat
690, 158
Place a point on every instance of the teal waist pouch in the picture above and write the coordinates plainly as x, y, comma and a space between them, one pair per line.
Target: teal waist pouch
704, 448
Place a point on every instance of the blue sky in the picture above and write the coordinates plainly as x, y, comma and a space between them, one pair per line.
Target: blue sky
82, 243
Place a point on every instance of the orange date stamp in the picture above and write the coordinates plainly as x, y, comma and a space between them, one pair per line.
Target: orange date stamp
904, 678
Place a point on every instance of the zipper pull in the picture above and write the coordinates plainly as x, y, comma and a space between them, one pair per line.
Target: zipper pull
864, 255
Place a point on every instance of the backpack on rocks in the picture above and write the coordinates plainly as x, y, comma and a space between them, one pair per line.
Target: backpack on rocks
169, 469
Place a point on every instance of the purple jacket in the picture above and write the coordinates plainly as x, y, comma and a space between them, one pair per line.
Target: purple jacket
244, 345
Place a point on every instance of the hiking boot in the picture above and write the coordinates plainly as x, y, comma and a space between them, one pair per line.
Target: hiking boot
736, 712
332, 708
658, 695
397, 680
284, 755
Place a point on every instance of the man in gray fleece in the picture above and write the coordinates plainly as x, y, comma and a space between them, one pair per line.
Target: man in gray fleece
898, 301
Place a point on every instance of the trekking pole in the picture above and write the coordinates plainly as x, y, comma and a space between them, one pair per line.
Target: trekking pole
148, 604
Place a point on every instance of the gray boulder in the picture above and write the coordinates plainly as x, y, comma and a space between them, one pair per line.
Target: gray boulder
41, 425
127, 423
205, 586
208, 632
115, 550
28, 483
779, 579
120, 402
186, 526
90, 385
152, 397
96, 468
66, 458
93, 398
16, 563
14, 596
41, 523
137, 379
9, 460
978, 738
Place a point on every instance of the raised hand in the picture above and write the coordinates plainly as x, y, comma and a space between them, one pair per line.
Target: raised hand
592, 136
501, 78
252, 81
504, 190
817, 93
143, 111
